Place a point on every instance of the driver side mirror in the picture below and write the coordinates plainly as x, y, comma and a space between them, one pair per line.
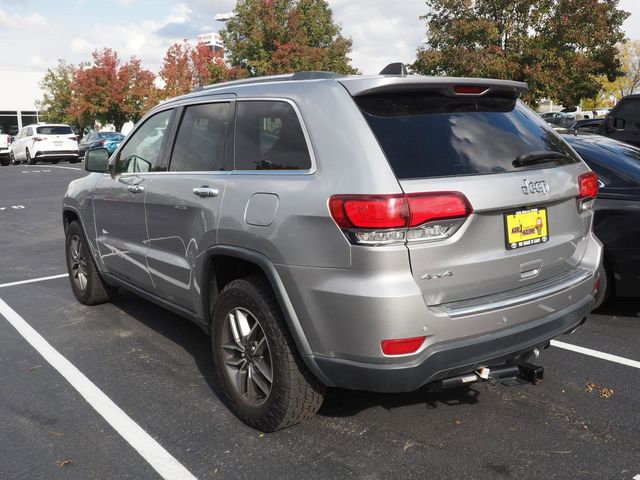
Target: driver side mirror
96, 160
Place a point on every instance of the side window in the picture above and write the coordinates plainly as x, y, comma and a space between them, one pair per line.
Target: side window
627, 116
143, 151
29, 132
200, 141
269, 137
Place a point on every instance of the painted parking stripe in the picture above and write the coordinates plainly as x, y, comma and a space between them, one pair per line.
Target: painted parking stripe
595, 353
33, 280
56, 166
162, 461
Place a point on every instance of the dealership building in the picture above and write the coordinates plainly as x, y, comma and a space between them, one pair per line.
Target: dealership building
19, 91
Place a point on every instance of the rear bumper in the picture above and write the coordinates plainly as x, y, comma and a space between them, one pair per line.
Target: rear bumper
454, 357
57, 154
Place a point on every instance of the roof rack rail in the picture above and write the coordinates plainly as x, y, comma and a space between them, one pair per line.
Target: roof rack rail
397, 68
305, 75
315, 75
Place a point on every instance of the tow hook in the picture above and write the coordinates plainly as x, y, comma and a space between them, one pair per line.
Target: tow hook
521, 372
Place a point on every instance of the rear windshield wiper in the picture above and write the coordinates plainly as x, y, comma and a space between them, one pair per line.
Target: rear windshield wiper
534, 158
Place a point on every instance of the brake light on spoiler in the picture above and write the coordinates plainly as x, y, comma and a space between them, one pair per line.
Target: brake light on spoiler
397, 218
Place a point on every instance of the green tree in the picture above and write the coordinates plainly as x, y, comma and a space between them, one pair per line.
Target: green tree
629, 82
561, 48
283, 36
57, 95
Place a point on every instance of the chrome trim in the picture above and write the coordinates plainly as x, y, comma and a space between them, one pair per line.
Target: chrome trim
517, 296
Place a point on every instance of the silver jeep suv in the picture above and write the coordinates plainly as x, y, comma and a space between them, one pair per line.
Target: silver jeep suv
376, 233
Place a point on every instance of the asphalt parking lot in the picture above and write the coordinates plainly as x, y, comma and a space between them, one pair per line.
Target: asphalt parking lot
154, 368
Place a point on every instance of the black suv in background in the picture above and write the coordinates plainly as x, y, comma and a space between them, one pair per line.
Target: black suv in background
623, 122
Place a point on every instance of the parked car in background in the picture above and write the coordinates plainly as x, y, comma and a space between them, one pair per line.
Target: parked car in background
617, 210
586, 126
5, 151
108, 140
559, 119
623, 122
374, 233
45, 142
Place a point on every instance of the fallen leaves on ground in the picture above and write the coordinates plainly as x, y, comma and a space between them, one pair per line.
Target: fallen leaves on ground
64, 463
603, 392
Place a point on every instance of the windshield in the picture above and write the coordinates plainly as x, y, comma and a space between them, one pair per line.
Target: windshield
426, 134
54, 130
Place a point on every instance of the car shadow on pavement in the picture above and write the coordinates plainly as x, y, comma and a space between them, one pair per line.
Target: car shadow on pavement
347, 403
620, 307
338, 403
176, 329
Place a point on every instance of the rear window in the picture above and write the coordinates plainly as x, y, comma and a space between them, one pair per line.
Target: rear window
111, 135
54, 130
427, 134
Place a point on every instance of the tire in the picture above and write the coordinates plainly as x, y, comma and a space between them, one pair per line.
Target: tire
606, 285
294, 393
5, 161
12, 159
54, 162
74, 160
29, 160
86, 283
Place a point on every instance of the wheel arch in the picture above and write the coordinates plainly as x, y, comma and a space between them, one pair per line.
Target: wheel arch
213, 277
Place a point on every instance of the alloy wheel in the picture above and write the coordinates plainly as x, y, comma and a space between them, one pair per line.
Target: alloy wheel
247, 356
78, 258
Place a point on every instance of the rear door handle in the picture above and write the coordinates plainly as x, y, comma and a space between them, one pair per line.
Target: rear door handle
205, 192
135, 188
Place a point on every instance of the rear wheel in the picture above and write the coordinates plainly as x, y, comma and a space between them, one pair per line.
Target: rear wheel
12, 159
85, 280
54, 162
30, 161
265, 381
5, 161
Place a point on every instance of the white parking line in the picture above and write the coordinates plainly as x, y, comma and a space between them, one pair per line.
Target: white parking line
597, 354
33, 280
55, 166
162, 461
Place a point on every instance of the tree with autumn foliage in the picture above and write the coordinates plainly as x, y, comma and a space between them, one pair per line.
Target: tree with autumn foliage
561, 48
282, 36
112, 92
185, 67
57, 95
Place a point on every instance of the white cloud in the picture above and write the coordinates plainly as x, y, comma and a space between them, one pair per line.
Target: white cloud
21, 22
80, 45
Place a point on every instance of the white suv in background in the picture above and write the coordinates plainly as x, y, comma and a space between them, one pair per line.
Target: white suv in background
45, 142
4, 149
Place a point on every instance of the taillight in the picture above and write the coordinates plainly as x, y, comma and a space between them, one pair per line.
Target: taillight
39, 139
588, 183
402, 346
395, 218
74, 138
588, 186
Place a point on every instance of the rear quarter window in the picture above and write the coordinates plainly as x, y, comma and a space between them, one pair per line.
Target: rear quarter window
427, 134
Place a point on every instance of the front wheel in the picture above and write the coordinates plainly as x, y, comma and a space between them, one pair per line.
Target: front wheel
85, 280
264, 379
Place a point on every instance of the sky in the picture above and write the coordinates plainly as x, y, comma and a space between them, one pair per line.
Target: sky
35, 34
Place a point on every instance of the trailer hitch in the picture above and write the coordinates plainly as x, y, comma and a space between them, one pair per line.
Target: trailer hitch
520, 372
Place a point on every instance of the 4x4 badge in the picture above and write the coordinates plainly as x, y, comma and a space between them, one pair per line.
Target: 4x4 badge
538, 186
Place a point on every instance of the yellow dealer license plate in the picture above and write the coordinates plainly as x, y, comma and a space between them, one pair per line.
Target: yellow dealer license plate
526, 227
